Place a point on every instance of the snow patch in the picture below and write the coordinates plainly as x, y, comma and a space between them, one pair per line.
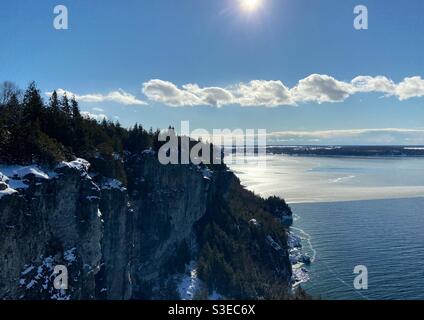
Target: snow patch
92, 198
14, 177
300, 275
116, 156
294, 241
109, 184
7, 192
149, 151
21, 172
207, 173
298, 260
40, 278
69, 255
78, 164
27, 270
4, 178
190, 283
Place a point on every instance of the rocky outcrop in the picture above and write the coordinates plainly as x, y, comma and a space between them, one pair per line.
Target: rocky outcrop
50, 222
116, 241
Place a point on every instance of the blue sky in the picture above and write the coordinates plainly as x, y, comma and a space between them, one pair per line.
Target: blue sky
287, 66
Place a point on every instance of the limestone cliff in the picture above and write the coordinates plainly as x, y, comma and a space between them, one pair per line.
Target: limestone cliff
117, 242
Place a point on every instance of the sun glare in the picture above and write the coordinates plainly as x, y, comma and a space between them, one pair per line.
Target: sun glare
250, 5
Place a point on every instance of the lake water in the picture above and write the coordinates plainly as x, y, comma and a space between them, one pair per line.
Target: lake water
350, 212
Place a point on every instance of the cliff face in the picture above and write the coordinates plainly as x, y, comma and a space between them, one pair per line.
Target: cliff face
50, 222
117, 242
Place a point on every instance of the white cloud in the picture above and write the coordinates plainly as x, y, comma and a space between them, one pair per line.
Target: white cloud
410, 88
315, 88
168, 93
254, 93
373, 84
263, 93
119, 96
322, 134
97, 117
210, 95
97, 109
321, 88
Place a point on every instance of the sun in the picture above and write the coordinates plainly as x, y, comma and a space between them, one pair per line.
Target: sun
250, 5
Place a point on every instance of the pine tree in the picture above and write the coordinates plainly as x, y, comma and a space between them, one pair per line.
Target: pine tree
33, 103
66, 108
14, 101
75, 109
54, 103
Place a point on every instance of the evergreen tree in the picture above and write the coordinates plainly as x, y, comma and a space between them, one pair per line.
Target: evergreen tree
66, 107
54, 103
31, 132
33, 103
13, 101
75, 109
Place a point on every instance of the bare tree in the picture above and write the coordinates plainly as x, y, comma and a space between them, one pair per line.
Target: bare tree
7, 90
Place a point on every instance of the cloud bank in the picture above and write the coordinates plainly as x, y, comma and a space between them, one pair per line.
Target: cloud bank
316, 88
119, 96
377, 136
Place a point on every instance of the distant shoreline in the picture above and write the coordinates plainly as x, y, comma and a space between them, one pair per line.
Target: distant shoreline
350, 201
349, 151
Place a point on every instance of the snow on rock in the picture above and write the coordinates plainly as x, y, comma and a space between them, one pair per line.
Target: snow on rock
207, 173
21, 172
298, 260
27, 270
31, 284
297, 256
40, 277
300, 275
149, 151
294, 241
4, 178
92, 198
42, 274
116, 156
60, 296
70, 256
14, 177
190, 283
7, 192
109, 184
78, 164
254, 222
31, 170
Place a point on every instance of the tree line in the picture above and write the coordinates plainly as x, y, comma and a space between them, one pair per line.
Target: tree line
33, 131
